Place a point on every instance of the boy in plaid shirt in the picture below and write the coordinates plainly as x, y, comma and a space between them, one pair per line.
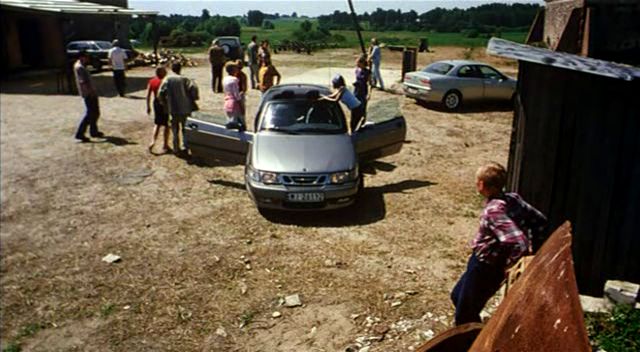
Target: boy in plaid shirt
507, 226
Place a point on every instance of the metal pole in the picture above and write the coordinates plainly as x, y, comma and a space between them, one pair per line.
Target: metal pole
357, 25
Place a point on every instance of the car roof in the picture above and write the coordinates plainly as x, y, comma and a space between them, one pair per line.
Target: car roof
463, 62
293, 91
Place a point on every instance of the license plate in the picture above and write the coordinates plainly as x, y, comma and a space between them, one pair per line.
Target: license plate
305, 197
412, 90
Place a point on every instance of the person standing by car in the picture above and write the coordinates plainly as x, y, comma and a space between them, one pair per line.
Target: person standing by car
117, 58
264, 53
243, 86
361, 85
161, 117
344, 95
507, 226
88, 93
217, 60
267, 73
233, 96
254, 63
375, 57
178, 94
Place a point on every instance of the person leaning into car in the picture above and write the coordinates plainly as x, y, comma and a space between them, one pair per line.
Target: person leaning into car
117, 57
217, 60
344, 95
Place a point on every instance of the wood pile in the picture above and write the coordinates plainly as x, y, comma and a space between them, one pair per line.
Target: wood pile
165, 57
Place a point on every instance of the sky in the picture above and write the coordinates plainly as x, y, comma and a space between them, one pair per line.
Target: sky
310, 8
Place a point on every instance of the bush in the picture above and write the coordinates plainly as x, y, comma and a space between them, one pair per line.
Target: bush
615, 332
268, 25
472, 33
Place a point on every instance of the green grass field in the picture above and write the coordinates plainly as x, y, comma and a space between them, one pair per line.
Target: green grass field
284, 29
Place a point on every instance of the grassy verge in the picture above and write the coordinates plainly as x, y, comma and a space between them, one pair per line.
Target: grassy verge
618, 331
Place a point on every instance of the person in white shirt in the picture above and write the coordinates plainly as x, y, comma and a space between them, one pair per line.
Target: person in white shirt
117, 58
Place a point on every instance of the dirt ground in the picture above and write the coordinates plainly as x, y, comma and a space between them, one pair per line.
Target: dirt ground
201, 269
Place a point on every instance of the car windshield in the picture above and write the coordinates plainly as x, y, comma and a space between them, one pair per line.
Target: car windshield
104, 45
441, 68
297, 116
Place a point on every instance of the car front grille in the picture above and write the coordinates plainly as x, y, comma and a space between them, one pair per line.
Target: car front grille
304, 180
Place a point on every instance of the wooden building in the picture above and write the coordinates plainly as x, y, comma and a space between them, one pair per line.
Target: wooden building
575, 155
34, 33
602, 29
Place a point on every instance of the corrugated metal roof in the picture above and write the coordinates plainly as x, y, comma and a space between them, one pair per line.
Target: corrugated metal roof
505, 48
71, 7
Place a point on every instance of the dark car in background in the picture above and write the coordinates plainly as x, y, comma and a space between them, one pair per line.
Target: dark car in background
231, 46
98, 51
300, 155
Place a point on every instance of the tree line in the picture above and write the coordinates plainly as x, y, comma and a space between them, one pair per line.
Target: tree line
487, 18
187, 30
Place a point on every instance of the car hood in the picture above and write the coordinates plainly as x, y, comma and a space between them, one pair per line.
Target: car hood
279, 152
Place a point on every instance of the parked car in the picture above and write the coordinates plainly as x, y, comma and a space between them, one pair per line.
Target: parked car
300, 155
231, 46
453, 82
98, 51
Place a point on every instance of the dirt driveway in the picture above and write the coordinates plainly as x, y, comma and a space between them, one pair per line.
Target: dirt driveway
201, 269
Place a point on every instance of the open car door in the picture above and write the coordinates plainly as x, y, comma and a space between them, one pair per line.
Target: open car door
383, 133
207, 136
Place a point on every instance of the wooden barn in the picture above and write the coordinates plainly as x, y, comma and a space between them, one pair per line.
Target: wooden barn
575, 154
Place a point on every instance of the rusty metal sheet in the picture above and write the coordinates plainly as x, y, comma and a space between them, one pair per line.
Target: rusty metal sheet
542, 311
456, 339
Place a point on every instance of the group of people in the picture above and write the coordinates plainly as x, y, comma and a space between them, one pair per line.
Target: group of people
509, 226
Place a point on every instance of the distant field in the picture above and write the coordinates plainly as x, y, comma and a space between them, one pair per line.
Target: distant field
284, 29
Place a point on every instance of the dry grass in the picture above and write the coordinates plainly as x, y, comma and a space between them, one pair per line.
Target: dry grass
182, 232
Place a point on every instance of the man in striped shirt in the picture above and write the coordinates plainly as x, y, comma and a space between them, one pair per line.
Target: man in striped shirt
507, 226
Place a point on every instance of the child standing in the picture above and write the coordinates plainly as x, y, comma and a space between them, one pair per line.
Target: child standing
161, 116
232, 95
506, 227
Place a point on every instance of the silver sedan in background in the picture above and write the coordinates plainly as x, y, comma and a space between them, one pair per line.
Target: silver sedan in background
451, 82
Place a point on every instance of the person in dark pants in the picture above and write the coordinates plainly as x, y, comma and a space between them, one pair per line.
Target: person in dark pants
88, 93
217, 60
118, 58
161, 116
344, 95
361, 85
507, 225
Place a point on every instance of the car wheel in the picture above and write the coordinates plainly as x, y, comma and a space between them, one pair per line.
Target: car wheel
452, 100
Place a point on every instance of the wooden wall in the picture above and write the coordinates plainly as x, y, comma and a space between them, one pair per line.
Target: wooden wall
575, 154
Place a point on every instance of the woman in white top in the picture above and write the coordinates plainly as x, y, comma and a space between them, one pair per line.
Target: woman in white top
344, 95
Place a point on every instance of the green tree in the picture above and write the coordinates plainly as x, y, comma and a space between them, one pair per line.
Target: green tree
205, 15
255, 18
306, 26
268, 25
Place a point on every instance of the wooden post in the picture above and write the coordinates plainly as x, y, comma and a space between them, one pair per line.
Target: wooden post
357, 26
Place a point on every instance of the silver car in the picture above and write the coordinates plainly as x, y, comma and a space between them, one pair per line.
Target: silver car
300, 155
451, 82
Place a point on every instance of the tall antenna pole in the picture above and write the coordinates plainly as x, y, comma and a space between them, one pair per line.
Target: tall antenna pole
357, 25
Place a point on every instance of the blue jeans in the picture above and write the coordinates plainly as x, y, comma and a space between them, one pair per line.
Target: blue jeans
90, 118
473, 290
377, 77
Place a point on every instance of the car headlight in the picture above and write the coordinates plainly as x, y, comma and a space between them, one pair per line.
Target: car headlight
266, 177
344, 176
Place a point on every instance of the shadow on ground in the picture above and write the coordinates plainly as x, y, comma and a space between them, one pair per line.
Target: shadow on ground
368, 209
473, 107
53, 84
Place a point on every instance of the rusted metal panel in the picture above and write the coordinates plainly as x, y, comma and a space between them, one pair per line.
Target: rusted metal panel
542, 311
456, 339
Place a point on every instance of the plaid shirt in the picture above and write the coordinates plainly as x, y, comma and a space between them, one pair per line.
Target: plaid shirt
506, 227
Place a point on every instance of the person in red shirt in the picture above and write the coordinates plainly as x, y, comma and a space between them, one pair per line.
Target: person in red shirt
161, 118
